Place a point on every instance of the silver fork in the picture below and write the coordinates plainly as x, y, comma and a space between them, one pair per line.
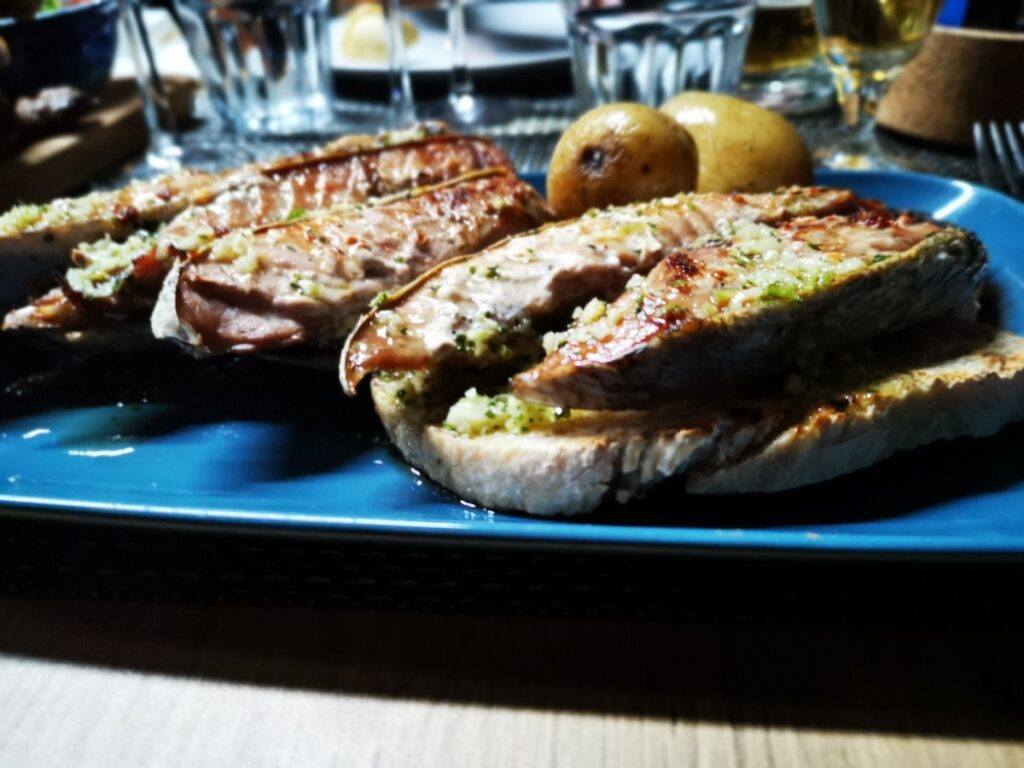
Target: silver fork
999, 147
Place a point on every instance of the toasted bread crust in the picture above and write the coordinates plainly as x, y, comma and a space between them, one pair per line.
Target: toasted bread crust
542, 473
952, 386
972, 395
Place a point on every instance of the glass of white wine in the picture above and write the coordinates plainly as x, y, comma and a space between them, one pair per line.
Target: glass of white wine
784, 69
866, 43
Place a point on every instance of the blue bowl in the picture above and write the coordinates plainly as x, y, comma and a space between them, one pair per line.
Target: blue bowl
72, 46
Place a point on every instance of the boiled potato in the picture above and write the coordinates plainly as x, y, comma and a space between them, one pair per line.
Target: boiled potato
742, 147
620, 153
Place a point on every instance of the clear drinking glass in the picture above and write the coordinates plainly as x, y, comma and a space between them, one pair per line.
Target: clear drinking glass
403, 108
265, 63
463, 107
462, 99
649, 50
784, 69
866, 43
164, 153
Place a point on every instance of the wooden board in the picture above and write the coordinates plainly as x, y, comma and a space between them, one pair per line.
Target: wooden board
114, 130
144, 685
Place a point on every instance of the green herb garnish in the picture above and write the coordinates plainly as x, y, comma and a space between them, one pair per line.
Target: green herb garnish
784, 291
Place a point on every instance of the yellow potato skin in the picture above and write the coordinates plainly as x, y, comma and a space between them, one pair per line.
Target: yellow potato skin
620, 153
742, 147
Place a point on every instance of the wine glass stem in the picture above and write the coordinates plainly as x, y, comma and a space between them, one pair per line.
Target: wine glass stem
859, 95
164, 152
403, 110
462, 84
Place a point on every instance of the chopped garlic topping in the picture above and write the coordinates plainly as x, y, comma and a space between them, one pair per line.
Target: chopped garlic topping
237, 249
476, 414
193, 240
103, 266
598, 319
318, 286
65, 210
415, 132
20, 218
758, 263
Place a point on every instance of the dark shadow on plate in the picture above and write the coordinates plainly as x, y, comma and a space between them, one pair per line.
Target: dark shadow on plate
898, 486
163, 391
991, 311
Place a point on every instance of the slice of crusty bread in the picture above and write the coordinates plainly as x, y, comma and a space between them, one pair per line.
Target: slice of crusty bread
567, 469
969, 395
956, 379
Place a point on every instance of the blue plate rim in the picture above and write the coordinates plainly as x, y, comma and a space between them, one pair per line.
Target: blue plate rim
823, 175
563, 531
571, 531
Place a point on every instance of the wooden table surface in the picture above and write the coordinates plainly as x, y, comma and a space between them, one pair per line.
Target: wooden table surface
89, 683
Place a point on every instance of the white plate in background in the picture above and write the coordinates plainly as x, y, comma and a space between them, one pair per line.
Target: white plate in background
500, 36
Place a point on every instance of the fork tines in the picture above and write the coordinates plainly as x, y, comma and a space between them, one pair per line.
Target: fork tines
1000, 148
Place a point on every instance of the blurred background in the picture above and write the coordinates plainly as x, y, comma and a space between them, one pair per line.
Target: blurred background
223, 81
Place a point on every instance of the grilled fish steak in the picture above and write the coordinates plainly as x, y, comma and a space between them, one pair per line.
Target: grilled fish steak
35, 240
489, 307
934, 382
323, 182
120, 280
752, 299
48, 231
306, 282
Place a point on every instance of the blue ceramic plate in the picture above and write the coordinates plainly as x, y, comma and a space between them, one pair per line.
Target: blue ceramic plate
272, 446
